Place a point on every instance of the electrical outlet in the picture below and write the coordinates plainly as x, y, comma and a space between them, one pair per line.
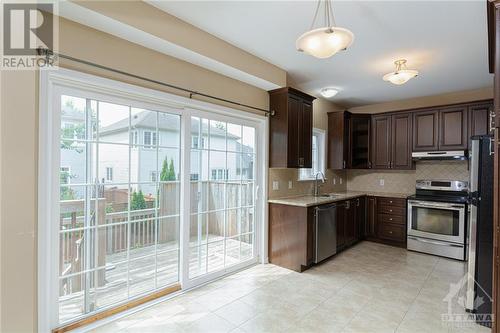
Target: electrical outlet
340, 180
290, 184
381, 182
276, 185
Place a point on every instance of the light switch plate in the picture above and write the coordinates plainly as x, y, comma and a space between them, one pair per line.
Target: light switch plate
381, 182
276, 185
290, 184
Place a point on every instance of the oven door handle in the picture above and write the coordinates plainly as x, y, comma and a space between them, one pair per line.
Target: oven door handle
432, 205
434, 242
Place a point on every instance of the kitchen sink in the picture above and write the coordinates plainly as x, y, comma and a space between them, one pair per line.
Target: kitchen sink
328, 195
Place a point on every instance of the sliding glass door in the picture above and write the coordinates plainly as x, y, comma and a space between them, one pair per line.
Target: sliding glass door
148, 196
221, 230
119, 203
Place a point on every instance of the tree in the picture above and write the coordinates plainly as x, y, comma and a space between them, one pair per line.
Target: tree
164, 171
68, 135
171, 170
167, 171
67, 193
138, 202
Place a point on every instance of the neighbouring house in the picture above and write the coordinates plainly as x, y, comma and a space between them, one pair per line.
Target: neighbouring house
149, 150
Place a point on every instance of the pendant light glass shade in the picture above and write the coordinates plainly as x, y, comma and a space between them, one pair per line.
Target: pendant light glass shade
401, 75
324, 42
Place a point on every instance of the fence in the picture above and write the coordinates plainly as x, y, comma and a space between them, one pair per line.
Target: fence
113, 227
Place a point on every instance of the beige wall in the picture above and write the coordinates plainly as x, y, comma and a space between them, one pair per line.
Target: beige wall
420, 102
404, 181
19, 147
19, 133
320, 109
107, 50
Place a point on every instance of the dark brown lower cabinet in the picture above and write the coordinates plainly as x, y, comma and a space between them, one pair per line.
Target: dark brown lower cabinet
360, 216
292, 232
291, 236
370, 229
386, 220
341, 225
292, 229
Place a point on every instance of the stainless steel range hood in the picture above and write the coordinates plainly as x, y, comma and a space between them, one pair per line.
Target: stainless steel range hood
440, 155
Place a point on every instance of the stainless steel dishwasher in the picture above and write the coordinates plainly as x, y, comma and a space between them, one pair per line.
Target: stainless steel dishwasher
326, 231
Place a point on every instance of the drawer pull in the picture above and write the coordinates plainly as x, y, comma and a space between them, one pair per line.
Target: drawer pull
390, 210
390, 232
390, 201
390, 219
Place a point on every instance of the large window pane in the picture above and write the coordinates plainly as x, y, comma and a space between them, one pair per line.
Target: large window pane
114, 122
119, 204
222, 188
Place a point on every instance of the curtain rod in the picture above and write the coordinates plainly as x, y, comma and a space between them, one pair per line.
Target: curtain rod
47, 53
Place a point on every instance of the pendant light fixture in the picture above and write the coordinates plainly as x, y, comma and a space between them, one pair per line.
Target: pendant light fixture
324, 42
402, 74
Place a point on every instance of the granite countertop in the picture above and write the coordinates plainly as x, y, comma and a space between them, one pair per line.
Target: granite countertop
310, 200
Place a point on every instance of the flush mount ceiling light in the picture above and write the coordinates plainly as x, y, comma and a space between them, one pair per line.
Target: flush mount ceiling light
328, 92
402, 74
325, 41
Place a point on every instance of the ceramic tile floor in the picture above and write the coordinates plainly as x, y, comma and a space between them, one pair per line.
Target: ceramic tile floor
368, 288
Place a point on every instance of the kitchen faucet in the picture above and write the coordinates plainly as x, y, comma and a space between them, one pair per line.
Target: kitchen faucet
316, 185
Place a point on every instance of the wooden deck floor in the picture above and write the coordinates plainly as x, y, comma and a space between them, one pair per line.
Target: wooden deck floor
147, 272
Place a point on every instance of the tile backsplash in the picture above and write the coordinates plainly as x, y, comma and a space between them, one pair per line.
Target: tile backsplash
404, 181
394, 181
283, 176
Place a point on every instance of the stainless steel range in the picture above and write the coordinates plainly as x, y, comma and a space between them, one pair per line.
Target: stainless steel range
437, 218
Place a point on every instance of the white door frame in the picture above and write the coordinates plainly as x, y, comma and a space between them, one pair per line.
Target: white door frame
260, 191
123, 93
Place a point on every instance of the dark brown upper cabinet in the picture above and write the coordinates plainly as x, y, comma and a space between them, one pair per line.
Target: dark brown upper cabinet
391, 148
446, 128
348, 140
453, 128
425, 130
290, 129
359, 141
401, 141
381, 142
479, 119
338, 140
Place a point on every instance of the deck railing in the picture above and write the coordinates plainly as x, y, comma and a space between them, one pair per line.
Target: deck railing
113, 228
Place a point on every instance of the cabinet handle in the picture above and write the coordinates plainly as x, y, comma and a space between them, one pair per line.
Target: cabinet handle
390, 219
390, 232
343, 164
390, 210
301, 161
357, 202
492, 120
492, 146
390, 201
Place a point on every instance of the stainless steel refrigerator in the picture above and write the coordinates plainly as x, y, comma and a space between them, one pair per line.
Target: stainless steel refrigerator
480, 231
